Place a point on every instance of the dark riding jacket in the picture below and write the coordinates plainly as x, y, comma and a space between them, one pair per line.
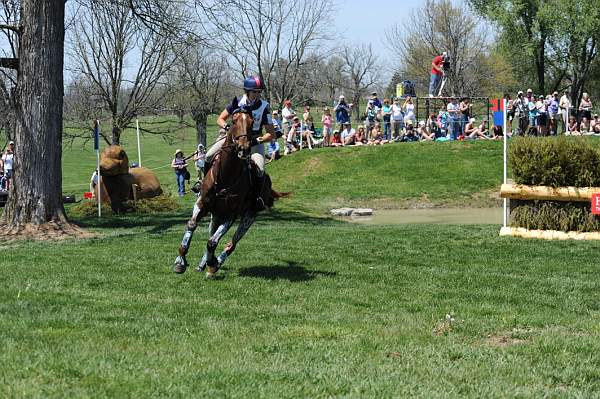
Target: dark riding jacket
261, 113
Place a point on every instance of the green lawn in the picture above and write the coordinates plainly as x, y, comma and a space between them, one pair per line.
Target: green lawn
306, 306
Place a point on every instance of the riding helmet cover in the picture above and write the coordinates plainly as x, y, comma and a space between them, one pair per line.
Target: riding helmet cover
253, 83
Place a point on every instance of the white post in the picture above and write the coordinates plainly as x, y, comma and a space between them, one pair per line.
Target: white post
301, 131
98, 185
505, 216
137, 127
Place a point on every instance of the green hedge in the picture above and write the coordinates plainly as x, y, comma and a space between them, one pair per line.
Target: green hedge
555, 162
554, 215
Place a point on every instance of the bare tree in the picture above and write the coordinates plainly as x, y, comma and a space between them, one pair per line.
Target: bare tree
440, 26
124, 61
273, 38
199, 77
360, 67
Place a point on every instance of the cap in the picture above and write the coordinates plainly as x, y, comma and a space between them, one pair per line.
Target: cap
520, 92
178, 151
422, 123
374, 93
529, 91
409, 122
11, 142
342, 97
472, 120
347, 124
541, 96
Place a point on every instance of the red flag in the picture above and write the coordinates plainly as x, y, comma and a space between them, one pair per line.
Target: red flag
596, 204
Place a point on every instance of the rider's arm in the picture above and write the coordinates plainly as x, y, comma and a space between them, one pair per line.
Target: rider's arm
222, 119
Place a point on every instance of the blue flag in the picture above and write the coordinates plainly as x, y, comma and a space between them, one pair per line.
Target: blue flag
96, 135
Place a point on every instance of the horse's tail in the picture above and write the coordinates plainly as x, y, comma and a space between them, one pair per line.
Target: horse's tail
276, 194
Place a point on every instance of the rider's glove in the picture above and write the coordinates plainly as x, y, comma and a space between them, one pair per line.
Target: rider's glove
225, 126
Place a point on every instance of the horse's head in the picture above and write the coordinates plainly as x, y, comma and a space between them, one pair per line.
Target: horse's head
241, 131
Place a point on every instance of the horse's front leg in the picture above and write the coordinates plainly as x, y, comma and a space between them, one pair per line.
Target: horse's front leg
245, 223
181, 262
211, 245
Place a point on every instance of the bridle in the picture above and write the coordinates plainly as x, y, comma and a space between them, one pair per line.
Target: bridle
242, 154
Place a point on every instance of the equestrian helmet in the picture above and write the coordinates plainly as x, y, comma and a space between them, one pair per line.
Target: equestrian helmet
253, 83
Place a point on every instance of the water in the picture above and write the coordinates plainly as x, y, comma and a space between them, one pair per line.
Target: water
432, 215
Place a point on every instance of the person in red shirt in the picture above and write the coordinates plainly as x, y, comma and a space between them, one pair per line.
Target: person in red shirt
437, 72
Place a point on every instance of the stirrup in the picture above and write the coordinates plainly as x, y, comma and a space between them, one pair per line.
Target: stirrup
260, 204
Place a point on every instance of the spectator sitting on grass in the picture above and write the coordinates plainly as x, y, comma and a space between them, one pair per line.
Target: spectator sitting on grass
498, 132
409, 134
584, 127
348, 134
273, 151
360, 136
573, 127
472, 132
336, 139
423, 133
377, 137
308, 136
595, 124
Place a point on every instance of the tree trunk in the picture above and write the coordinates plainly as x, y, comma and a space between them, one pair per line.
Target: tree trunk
201, 120
35, 197
540, 64
116, 135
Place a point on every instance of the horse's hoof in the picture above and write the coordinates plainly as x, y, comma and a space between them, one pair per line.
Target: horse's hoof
180, 265
211, 271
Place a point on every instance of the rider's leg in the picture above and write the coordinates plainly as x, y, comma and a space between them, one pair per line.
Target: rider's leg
258, 157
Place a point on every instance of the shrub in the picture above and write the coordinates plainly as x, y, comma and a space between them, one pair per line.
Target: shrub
554, 215
162, 203
555, 162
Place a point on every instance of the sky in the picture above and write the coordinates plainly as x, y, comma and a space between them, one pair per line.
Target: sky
366, 21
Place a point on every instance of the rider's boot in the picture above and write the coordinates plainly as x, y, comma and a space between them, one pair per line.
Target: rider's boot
257, 189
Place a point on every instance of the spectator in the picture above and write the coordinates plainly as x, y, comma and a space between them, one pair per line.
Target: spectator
276, 122
409, 134
520, 109
370, 117
291, 139
342, 111
533, 116
585, 107
8, 158
465, 113
336, 139
348, 134
472, 132
199, 160
288, 115
437, 72
510, 111
377, 136
327, 121
529, 98
595, 124
308, 119
454, 119
443, 120
2, 181
307, 135
409, 111
360, 137
94, 183
573, 127
179, 165
397, 119
273, 151
498, 133
387, 117
432, 126
584, 126
376, 101
542, 115
423, 133
553, 107
565, 107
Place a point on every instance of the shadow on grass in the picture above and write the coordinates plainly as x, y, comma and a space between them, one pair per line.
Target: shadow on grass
292, 272
158, 223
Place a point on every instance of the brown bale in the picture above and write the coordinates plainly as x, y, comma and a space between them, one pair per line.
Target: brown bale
148, 183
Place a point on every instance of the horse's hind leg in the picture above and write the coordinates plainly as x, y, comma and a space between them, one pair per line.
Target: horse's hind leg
211, 245
245, 223
181, 262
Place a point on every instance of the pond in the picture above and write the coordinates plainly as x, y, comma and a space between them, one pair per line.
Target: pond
431, 215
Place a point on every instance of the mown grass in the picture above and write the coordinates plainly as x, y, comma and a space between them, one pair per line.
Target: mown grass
307, 306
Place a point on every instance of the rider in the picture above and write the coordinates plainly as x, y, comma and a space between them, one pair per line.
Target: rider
261, 114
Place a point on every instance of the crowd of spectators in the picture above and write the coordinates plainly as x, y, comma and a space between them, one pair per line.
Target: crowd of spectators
387, 121
545, 115
6, 166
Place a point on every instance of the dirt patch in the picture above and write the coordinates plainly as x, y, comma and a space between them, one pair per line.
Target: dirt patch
312, 166
51, 231
503, 341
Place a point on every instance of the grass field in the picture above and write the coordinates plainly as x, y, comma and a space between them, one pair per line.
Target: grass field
307, 306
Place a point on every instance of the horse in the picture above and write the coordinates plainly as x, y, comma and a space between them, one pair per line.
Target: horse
227, 195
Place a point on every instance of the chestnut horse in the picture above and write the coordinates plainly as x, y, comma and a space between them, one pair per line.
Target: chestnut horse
227, 195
